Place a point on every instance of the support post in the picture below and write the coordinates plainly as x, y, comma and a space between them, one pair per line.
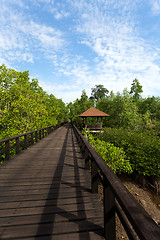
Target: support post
109, 213
87, 157
36, 136
17, 145
7, 150
40, 135
25, 141
85, 123
32, 140
83, 148
94, 176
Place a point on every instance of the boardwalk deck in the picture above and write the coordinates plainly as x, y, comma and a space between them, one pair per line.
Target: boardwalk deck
45, 193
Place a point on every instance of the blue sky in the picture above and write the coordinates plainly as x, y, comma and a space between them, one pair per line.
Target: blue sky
71, 45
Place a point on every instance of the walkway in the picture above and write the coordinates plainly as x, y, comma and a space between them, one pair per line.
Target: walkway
45, 193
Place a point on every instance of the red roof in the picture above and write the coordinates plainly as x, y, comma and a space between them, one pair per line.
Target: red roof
93, 112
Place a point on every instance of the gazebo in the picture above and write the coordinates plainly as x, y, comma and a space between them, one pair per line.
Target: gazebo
93, 112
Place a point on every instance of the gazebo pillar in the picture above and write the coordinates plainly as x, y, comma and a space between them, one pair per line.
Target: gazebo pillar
85, 123
101, 122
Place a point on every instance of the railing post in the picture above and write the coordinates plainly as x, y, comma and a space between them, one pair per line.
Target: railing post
40, 137
43, 133
32, 141
17, 145
109, 213
94, 176
83, 150
80, 141
46, 131
25, 141
7, 150
36, 136
87, 157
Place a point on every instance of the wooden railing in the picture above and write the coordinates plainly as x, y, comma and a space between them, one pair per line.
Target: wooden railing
13, 145
117, 199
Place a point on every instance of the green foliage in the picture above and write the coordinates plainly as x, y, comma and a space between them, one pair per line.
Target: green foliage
134, 126
136, 90
151, 105
127, 113
127, 110
115, 157
130, 117
98, 92
142, 148
24, 106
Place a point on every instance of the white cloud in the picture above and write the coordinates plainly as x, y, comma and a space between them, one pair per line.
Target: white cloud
49, 37
21, 38
40, 2
155, 4
93, 42
122, 54
60, 14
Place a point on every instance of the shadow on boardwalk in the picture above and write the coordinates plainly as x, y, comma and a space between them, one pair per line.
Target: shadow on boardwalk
52, 198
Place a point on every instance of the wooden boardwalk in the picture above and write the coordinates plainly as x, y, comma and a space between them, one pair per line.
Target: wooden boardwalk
45, 193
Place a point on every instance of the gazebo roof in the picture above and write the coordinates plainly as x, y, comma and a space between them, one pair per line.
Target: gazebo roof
93, 112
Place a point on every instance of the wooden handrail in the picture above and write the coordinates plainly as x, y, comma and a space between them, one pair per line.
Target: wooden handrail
117, 199
23, 134
29, 139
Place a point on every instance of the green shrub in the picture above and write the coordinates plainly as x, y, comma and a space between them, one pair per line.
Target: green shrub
142, 148
115, 157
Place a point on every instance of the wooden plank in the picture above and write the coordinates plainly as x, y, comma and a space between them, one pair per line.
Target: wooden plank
45, 193
51, 228
47, 209
53, 202
72, 236
41, 187
63, 217
43, 196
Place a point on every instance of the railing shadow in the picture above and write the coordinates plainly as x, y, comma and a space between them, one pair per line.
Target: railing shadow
57, 175
80, 205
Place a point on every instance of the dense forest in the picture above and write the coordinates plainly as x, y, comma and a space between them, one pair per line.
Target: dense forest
25, 106
130, 139
128, 110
